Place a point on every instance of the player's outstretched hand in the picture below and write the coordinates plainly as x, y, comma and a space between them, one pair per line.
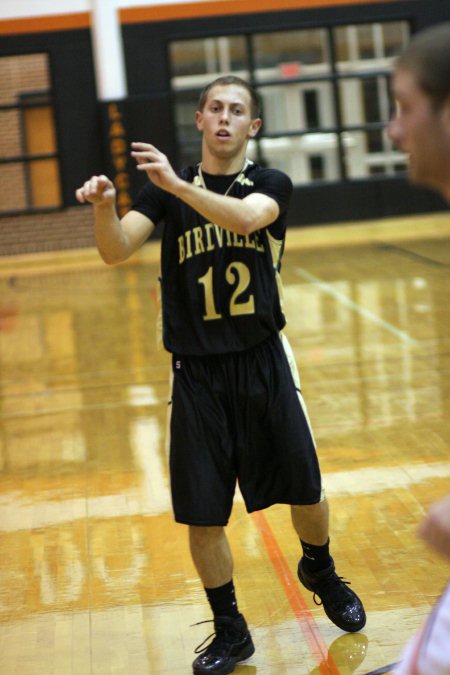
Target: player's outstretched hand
97, 190
156, 165
435, 528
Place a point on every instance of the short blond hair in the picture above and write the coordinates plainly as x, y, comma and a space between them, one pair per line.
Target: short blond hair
227, 80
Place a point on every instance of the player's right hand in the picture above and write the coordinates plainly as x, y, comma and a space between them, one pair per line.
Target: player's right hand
97, 190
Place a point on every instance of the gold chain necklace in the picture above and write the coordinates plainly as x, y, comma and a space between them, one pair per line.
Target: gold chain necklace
238, 177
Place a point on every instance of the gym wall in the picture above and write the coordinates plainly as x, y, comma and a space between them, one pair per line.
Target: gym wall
55, 133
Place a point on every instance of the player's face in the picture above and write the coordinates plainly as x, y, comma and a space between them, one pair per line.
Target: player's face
226, 121
421, 131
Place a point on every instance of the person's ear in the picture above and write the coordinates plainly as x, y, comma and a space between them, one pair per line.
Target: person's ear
199, 120
446, 115
255, 126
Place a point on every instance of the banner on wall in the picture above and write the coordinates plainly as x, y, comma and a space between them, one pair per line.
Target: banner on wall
117, 148
146, 119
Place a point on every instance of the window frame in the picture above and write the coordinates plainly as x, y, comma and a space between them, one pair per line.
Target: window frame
391, 166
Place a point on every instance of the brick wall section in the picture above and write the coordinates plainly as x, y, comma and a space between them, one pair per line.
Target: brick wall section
20, 74
10, 135
12, 184
56, 231
12, 187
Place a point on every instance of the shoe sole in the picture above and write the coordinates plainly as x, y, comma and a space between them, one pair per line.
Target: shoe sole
346, 628
246, 653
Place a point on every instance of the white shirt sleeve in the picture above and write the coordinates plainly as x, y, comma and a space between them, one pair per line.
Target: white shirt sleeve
428, 653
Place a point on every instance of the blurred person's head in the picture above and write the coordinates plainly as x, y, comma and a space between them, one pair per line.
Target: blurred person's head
421, 123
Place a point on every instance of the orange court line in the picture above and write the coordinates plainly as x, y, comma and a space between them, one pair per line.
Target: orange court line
171, 11
291, 587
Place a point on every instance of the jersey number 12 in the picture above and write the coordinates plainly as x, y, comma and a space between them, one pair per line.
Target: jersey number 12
237, 274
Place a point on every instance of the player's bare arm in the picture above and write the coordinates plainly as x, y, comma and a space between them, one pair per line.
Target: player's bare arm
116, 239
242, 216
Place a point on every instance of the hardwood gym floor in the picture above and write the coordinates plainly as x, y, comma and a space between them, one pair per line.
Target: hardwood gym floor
95, 577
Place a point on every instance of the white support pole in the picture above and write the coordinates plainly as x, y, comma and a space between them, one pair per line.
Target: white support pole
108, 51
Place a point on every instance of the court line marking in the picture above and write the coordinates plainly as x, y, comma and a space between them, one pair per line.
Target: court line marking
367, 314
406, 252
291, 588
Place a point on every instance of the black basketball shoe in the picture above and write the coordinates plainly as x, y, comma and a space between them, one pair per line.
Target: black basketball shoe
232, 643
341, 605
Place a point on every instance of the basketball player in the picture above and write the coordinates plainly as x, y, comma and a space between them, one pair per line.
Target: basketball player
428, 653
421, 128
236, 407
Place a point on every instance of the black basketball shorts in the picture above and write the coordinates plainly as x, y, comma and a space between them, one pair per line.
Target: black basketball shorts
239, 417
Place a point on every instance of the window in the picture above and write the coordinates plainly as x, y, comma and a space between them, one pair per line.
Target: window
324, 91
192, 59
29, 167
273, 52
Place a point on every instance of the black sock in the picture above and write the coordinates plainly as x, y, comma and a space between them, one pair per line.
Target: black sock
223, 600
316, 558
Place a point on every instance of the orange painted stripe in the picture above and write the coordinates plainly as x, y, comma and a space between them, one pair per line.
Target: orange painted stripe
45, 24
196, 10
166, 12
291, 587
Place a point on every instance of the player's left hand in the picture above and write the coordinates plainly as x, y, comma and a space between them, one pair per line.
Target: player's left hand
435, 528
156, 165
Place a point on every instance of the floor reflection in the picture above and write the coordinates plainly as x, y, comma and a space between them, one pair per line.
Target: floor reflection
345, 654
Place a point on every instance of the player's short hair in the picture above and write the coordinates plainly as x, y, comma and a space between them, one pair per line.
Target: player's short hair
226, 80
428, 57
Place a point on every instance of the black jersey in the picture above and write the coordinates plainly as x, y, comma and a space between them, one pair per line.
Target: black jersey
220, 291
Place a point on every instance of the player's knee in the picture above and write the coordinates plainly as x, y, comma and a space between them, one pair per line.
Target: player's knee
205, 535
